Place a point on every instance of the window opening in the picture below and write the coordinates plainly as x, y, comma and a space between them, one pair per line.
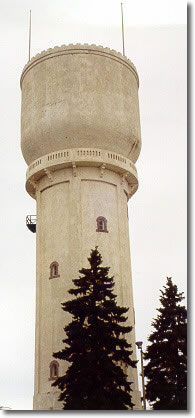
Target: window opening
101, 224
54, 270
54, 370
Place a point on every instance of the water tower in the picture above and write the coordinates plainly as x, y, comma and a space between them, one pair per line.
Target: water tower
80, 138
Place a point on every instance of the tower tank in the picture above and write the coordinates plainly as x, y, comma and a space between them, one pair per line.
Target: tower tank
80, 136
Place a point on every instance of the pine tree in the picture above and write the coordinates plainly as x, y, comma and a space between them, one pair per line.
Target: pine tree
95, 344
166, 370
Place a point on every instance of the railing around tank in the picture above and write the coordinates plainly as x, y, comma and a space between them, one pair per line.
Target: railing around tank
31, 222
82, 152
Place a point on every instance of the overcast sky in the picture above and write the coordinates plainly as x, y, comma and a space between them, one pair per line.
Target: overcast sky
155, 40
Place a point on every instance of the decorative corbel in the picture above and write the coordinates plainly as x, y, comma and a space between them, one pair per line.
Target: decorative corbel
133, 188
102, 168
34, 184
123, 177
74, 168
48, 174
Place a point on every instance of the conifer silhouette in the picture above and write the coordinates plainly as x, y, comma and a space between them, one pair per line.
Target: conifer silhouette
95, 345
166, 370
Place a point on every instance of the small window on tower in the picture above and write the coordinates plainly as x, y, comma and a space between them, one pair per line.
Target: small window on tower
101, 224
54, 270
54, 370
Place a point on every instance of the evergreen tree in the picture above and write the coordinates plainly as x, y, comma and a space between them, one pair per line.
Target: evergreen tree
166, 370
95, 344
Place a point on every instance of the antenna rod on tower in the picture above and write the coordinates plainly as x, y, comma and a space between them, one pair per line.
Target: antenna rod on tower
122, 29
29, 37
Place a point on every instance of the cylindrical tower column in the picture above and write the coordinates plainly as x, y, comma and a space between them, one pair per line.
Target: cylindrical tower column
80, 139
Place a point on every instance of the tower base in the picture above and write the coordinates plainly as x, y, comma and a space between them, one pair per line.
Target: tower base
49, 401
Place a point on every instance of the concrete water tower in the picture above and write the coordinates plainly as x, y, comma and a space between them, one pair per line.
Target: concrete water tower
80, 138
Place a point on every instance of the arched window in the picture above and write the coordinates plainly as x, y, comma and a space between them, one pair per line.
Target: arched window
54, 270
101, 224
54, 370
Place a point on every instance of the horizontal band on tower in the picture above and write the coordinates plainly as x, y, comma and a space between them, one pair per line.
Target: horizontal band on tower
79, 157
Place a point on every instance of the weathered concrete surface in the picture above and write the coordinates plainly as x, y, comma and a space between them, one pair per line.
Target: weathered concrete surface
79, 96
80, 118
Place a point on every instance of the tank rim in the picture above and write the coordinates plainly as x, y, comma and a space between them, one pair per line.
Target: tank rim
76, 47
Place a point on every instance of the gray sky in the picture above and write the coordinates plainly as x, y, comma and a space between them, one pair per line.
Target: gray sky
155, 40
